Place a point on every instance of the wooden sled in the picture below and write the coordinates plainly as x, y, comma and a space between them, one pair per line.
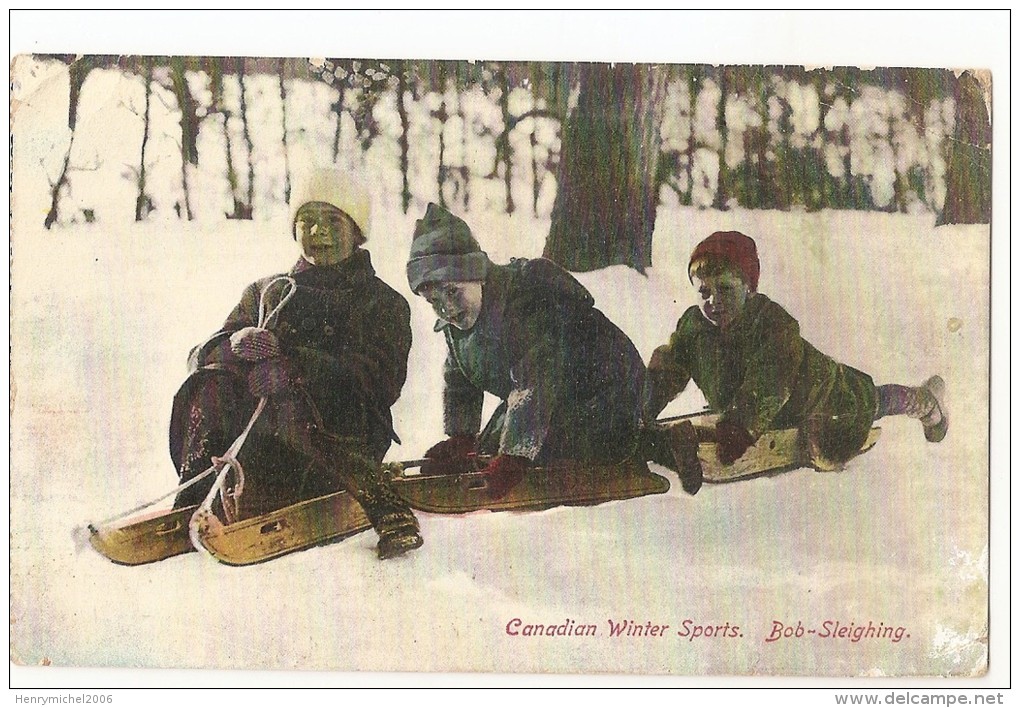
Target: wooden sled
293, 528
160, 535
562, 484
774, 452
145, 539
332, 517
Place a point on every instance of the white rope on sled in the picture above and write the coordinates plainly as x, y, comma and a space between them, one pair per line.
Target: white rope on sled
228, 460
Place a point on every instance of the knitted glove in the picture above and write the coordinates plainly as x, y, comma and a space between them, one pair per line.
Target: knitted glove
269, 377
504, 473
733, 441
254, 344
450, 456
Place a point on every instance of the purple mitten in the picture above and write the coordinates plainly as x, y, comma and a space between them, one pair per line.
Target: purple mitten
733, 441
451, 456
269, 377
504, 473
254, 344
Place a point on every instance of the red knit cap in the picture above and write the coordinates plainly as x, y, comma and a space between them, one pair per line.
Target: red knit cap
736, 249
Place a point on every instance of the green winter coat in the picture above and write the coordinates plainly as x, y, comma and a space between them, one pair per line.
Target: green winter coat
762, 375
571, 382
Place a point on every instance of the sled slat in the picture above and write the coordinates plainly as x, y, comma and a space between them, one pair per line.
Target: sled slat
775, 451
146, 538
294, 528
568, 484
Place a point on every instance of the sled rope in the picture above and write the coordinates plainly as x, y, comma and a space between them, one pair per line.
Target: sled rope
228, 460
224, 464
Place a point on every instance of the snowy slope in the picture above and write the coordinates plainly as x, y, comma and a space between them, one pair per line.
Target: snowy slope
102, 321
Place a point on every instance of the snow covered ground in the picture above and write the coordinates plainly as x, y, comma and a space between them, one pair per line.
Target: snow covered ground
103, 317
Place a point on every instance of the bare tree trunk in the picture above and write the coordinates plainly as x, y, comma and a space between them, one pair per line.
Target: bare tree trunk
143, 203
55, 187
825, 138
78, 70
405, 192
441, 115
189, 129
969, 174
606, 201
899, 200
217, 70
722, 190
692, 99
535, 183
465, 172
504, 141
283, 110
338, 108
786, 178
243, 210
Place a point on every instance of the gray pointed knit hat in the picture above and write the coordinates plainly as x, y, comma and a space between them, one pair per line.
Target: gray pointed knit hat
443, 250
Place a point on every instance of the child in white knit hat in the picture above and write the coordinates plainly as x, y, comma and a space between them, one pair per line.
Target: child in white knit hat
330, 364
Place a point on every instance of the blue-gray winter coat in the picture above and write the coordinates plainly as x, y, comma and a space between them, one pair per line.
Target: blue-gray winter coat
569, 379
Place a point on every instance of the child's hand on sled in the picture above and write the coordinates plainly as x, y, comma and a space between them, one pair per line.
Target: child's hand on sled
732, 441
504, 473
269, 377
254, 344
449, 456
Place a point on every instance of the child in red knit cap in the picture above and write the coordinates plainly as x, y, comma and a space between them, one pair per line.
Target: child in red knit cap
746, 355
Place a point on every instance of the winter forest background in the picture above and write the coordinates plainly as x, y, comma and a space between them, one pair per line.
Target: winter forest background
148, 191
201, 138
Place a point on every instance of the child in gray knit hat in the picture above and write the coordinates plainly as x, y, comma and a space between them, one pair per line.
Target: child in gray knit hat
570, 381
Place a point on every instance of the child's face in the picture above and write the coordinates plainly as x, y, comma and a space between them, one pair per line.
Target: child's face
458, 303
722, 297
327, 234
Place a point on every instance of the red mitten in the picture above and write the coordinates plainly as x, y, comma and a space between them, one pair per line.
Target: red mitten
269, 377
254, 344
504, 473
450, 456
733, 441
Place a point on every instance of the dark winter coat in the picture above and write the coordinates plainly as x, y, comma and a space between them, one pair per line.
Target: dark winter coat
762, 375
569, 379
345, 336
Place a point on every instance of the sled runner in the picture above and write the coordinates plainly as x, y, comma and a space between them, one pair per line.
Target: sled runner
293, 528
775, 451
144, 539
161, 535
155, 536
336, 516
561, 484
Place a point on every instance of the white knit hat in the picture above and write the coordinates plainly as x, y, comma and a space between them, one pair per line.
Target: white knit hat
332, 186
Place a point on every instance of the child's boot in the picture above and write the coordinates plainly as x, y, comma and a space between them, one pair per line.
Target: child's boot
683, 442
398, 533
936, 421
